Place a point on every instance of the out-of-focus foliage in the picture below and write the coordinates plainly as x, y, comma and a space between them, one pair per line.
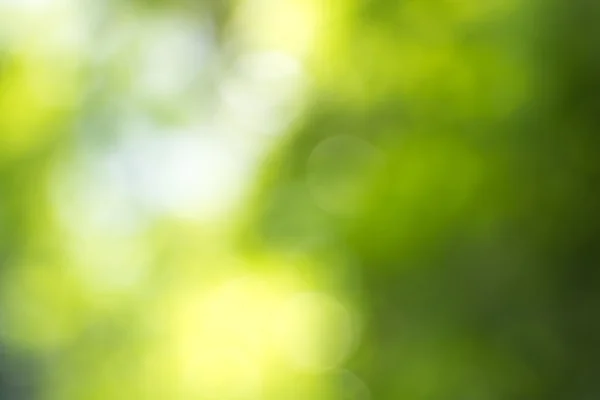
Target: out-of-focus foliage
299, 199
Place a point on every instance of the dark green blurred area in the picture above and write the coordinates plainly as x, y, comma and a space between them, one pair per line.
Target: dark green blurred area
434, 171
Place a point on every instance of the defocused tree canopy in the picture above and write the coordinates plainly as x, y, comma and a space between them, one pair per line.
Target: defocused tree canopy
299, 199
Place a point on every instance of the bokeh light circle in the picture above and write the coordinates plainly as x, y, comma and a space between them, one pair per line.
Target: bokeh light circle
348, 386
314, 332
338, 170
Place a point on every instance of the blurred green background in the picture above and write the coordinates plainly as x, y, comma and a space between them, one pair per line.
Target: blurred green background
299, 199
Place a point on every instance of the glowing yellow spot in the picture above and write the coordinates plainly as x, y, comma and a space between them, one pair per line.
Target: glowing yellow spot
291, 26
231, 340
314, 332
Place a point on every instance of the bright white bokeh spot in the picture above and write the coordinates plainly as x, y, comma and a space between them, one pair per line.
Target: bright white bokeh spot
189, 174
91, 195
339, 169
101, 224
173, 55
106, 196
27, 5
56, 32
271, 67
262, 92
314, 332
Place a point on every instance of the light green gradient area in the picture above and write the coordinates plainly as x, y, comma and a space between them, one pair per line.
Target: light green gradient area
299, 199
